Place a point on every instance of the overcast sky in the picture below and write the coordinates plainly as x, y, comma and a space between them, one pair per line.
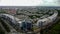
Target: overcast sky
29, 2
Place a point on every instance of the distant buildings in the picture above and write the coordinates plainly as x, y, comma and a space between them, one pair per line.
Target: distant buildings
9, 11
12, 11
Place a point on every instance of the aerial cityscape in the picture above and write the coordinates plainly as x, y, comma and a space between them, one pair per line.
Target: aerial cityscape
29, 20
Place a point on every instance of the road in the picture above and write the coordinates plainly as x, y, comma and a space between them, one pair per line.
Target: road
10, 27
2, 27
12, 30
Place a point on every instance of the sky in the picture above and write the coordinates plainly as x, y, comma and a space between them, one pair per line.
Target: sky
29, 2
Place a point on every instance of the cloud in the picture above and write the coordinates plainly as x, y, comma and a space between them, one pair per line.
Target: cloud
30, 3
51, 3
20, 2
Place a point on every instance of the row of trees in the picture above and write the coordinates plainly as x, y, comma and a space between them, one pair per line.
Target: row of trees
2, 11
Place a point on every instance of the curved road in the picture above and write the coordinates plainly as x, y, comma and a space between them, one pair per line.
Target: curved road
12, 30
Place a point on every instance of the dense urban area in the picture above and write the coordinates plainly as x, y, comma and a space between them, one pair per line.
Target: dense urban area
30, 15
